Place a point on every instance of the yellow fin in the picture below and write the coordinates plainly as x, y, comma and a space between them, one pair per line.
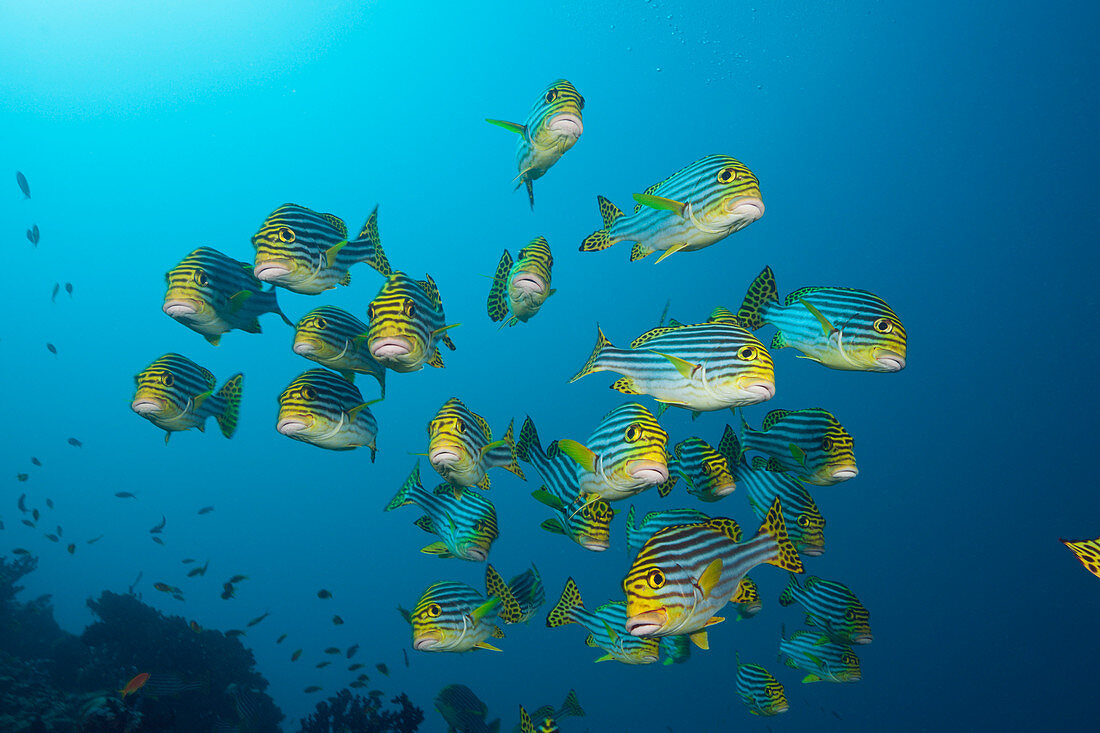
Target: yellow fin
685, 367
710, 577
509, 126
333, 251
579, 453
699, 638
826, 327
660, 203
714, 620
671, 250
199, 399
486, 645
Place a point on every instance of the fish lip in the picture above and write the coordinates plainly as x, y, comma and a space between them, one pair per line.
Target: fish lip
146, 406
595, 545
425, 643
813, 550
303, 348
270, 270
891, 361
566, 124
291, 425
443, 456
845, 473
863, 639
646, 624
765, 389
724, 490
746, 209
390, 346
528, 283
651, 472
477, 554
182, 308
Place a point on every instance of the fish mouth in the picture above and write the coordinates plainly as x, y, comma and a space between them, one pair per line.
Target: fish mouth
390, 347
566, 125
271, 270
292, 425
182, 308
649, 472
764, 390
527, 283
443, 456
646, 624
724, 490
306, 347
745, 209
779, 709
476, 554
813, 550
890, 361
425, 643
844, 473
595, 545
146, 406
863, 639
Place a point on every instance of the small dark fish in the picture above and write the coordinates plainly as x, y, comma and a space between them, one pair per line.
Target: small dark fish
406, 657
33, 235
20, 551
362, 677
337, 621
125, 495
206, 510
72, 549
94, 540
837, 715
158, 540
321, 665
195, 627
323, 594
332, 650
36, 462
59, 532
258, 619
53, 350
73, 441
23, 185
312, 688
35, 514
357, 665
160, 527
228, 591
234, 633
281, 639
296, 655
22, 476
664, 313
382, 668
52, 537
56, 289
165, 588
237, 578
357, 684
69, 289
188, 560
28, 522
23, 503
49, 502
352, 649
194, 571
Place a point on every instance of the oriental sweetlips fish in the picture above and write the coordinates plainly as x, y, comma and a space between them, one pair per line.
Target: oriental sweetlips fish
761, 692
466, 525
588, 523
546, 715
702, 367
842, 328
326, 410
624, 455
461, 447
653, 522
308, 252
706, 471
693, 208
809, 444
1087, 552
464, 711
552, 127
453, 617
519, 289
211, 294
174, 393
407, 324
825, 660
685, 574
606, 627
330, 336
831, 607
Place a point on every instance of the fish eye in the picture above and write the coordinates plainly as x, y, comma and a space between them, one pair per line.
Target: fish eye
826, 444
435, 610
322, 324
409, 308
803, 521
850, 614
460, 426
655, 578
551, 95
746, 353
169, 380
286, 234
633, 432
370, 311
309, 393
883, 325
727, 175
201, 278
522, 254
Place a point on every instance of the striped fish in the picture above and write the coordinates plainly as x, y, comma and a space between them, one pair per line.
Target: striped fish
552, 127
588, 523
674, 649
810, 444
605, 626
330, 336
761, 692
830, 607
1087, 552
638, 534
693, 208
519, 289
461, 447
308, 252
174, 393
825, 660
746, 601
529, 592
703, 367
464, 711
706, 471
211, 293
326, 410
842, 328
466, 525
453, 617
685, 574
548, 715
624, 456
406, 324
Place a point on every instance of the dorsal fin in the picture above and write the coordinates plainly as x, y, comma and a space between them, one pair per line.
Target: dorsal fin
337, 223
650, 335
773, 417
726, 526
723, 315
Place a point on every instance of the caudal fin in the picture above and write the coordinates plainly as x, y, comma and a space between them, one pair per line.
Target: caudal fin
786, 598
601, 238
562, 612
376, 256
762, 293
513, 464
403, 497
495, 586
498, 291
774, 525
729, 447
528, 590
571, 706
593, 364
230, 393
528, 441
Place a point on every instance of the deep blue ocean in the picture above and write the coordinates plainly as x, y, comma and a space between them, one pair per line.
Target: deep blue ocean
943, 156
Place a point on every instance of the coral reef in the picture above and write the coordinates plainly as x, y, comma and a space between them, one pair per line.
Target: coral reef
345, 713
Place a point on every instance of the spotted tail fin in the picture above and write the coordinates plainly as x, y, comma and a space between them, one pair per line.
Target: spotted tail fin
230, 393
786, 598
593, 364
377, 257
601, 238
497, 304
403, 497
762, 293
495, 586
773, 524
562, 612
528, 442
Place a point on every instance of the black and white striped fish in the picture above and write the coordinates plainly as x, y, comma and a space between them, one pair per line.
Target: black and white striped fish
810, 444
825, 660
519, 289
331, 337
759, 690
462, 450
174, 393
831, 607
624, 455
453, 617
326, 410
407, 324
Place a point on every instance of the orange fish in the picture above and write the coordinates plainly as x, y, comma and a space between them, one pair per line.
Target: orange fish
135, 684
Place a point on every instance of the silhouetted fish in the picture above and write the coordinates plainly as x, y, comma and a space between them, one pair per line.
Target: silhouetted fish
53, 350
206, 510
23, 185
77, 444
125, 495
53, 295
33, 235
69, 289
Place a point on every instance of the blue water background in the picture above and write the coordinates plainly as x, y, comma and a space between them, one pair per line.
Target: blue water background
941, 156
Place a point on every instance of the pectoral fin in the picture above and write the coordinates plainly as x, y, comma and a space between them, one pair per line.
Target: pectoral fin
710, 577
237, 301
333, 251
486, 645
699, 638
685, 367
579, 453
826, 327
671, 250
660, 203
509, 126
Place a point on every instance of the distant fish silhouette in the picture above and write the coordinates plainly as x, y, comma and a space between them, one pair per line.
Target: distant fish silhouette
35, 461
69, 289
53, 295
206, 510
125, 495
73, 441
33, 235
53, 350
23, 185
